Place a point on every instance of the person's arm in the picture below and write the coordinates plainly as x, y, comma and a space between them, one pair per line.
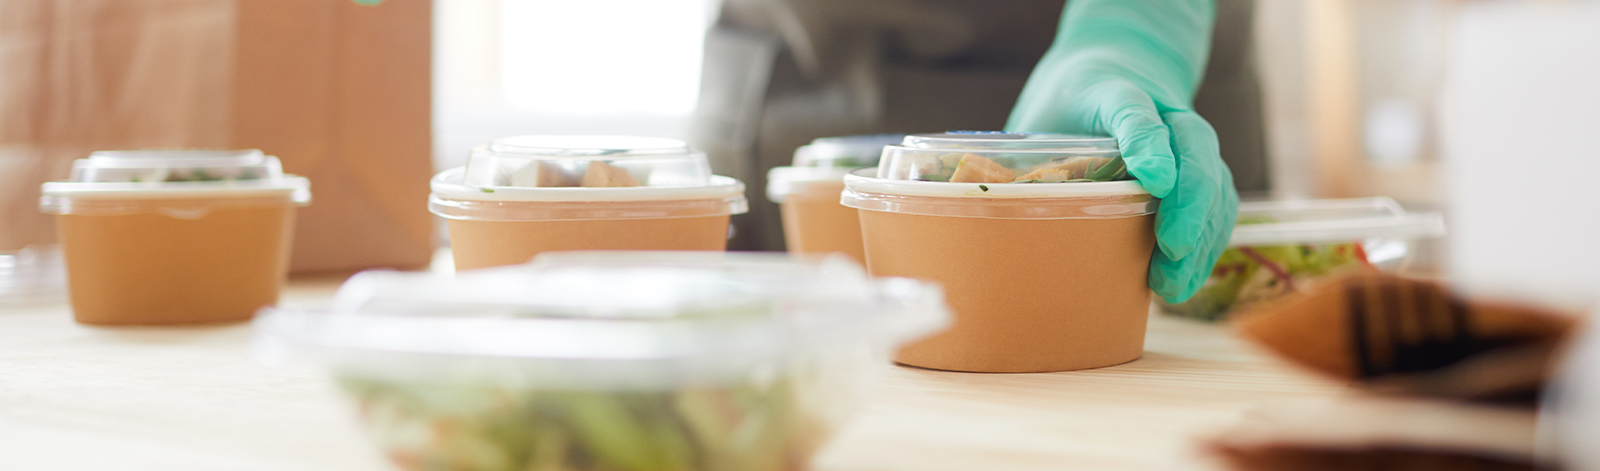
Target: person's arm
1129, 69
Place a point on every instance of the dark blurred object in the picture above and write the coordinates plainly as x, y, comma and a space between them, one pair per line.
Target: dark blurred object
339, 91
1370, 434
1404, 336
779, 73
1443, 382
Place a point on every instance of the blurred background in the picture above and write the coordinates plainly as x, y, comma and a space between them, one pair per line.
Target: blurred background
1472, 107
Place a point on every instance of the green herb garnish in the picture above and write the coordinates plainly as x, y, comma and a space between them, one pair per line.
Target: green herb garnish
486, 190
985, 188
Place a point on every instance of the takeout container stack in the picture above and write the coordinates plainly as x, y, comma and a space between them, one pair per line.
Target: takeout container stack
808, 193
710, 361
174, 236
521, 196
1047, 275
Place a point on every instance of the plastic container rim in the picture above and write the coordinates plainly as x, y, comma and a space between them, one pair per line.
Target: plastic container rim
447, 185
858, 181
1395, 223
155, 190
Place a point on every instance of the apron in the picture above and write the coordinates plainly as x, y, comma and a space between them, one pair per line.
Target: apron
779, 73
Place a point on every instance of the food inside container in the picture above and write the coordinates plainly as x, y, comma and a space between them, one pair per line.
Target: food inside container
555, 161
1282, 247
709, 362
1000, 157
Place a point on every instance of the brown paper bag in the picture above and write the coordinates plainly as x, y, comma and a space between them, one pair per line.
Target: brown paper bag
339, 91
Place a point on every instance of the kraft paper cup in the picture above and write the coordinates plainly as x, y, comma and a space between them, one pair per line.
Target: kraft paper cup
519, 197
175, 237
1041, 276
813, 219
808, 192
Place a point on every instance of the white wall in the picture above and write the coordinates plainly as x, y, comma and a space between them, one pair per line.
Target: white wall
1521, 144
511, 67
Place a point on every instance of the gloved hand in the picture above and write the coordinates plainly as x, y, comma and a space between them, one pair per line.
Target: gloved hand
1129, 69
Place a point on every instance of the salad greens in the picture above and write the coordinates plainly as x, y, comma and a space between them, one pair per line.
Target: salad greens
1250, 274
462, 426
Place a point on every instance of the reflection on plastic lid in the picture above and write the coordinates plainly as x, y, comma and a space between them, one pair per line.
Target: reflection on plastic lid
585, 161
844, 151
1007, 140
589, 145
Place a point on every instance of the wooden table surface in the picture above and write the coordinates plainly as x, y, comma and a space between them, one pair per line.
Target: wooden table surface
75, 397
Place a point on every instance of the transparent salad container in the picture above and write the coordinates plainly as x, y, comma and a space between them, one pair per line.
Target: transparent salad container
826, 160
1001, 157
609, 360
33, 275
1280, 247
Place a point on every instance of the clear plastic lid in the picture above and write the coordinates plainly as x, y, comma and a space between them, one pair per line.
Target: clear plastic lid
1000, 158
601, 318
849, 152
1334, 220
171, 174
824, 162
586, 161
173, 166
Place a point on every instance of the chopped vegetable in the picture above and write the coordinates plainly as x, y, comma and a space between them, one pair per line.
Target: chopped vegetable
976, 169
1246, 275
460, 426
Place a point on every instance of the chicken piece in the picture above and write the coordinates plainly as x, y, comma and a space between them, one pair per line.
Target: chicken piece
604, 175
543, 175
1047, 175
975, 169
1070, 169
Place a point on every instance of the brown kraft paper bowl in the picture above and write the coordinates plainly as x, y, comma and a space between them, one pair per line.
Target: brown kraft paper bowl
479, 244
815, 222
1036, 284
180, 266
511, 225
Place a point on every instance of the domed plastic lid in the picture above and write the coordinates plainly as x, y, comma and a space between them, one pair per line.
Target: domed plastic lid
585, 161
145, 174
824, 162
999, 158
668, 314
174, 166
848, 152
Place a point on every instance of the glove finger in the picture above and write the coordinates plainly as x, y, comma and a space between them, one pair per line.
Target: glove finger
1185, 212
1128, 114
1196, 220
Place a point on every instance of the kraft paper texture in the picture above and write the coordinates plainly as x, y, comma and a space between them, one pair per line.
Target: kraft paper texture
148, 269
1029, 295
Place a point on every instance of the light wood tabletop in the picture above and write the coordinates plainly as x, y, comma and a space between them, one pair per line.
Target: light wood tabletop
75, 397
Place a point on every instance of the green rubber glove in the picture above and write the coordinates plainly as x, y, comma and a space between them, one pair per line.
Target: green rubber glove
1129, 69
